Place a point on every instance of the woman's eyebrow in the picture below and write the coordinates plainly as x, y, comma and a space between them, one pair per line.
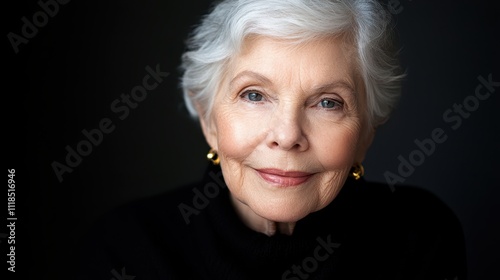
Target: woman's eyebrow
261, 78
318, 89
341, 88
335, 85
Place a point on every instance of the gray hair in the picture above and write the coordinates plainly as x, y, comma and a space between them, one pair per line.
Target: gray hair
219, 37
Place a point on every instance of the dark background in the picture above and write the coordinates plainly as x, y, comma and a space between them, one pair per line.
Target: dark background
90, 52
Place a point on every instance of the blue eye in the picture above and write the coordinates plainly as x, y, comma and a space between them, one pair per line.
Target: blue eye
329, 104
253, 96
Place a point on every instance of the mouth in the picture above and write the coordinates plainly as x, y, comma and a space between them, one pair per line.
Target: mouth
284, 178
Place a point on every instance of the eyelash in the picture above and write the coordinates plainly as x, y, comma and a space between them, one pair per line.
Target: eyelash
338, 105
245, 94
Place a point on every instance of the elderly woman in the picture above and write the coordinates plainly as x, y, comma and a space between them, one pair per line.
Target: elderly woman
289, 94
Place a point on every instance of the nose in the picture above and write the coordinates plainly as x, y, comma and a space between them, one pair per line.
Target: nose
286, 131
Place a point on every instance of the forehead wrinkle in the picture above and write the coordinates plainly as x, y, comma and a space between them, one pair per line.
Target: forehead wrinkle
341, 78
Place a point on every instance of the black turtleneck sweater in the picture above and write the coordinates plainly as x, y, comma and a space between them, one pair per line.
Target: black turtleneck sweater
367, 232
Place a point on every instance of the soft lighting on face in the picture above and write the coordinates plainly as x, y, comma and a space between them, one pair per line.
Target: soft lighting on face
288, 124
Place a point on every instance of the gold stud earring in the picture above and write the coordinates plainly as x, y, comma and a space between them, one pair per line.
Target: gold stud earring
213, 157
357, 171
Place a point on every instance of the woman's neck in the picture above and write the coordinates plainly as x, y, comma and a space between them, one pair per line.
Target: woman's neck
258, 223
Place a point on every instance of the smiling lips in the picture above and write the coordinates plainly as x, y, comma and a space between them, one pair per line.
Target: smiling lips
284, 178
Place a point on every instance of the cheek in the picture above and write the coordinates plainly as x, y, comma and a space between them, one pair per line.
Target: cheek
237, 135
336, 148
237, 138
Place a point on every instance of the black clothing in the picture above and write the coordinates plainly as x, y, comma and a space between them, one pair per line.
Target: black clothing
367, 232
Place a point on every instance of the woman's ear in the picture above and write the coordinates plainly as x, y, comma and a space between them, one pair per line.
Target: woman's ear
365, 144
208, 127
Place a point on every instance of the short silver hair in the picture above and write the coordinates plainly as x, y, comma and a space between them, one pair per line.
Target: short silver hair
222, 31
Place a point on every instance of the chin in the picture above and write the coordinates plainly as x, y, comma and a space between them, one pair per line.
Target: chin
282, 211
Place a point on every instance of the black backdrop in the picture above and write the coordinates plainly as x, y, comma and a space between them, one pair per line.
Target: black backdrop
78, 62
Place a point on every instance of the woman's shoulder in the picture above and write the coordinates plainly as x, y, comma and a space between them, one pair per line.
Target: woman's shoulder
420, 229
134, 237
405, 205
410, 201
157, 208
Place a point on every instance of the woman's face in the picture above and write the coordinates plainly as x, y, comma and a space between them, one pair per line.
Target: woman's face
288, 123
